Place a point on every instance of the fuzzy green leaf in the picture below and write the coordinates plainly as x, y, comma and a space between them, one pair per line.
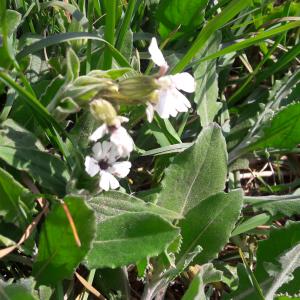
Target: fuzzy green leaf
196, 173
206, 76
128, 238
22, 150
114, 203
210, 224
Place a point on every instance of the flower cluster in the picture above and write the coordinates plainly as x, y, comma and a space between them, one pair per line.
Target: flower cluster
106, 156
166, 99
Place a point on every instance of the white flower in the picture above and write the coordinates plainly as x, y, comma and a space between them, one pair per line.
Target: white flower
104, 162
170, 101
118, 135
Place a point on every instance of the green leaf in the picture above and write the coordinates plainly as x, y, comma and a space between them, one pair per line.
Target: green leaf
282, 247
128, 238
17, 291
286, 205
58, 253
206, 77
73, 65
71, 36
109, 204
187, 13
210, 224
232, 9
206, 275
251, 223
22, 150
15, 205
283, 131
12, 20
196, 173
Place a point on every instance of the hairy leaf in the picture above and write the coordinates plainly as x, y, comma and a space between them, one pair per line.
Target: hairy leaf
128, 238
21, 149
114, 203
206, 76
210, 224
196, 173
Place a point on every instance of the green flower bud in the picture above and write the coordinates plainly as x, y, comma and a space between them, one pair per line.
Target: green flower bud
142, 88
104, 111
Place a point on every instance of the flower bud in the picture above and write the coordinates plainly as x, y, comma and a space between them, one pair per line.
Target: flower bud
139, 88
104, 111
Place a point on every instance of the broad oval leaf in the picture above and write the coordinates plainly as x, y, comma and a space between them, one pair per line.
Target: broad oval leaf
58, 253
209, 225
128, 238
114, 203
196, 173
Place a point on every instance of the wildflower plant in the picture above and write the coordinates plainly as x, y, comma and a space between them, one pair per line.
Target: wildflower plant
149, 149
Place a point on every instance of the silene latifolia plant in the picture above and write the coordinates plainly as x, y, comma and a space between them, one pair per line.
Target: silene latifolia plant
149, 150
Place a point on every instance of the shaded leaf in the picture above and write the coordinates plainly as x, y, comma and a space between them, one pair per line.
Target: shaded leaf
15, 205
283, 131
207, 274
59, 254
287, 205
22, 150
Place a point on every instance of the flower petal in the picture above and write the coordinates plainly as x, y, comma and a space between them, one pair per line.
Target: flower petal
184, 81
99, 133
97, 151
104, 180
91, 166
149, 112
166, 104
123, 141
181, 102
156, 54
121, 169
108, 181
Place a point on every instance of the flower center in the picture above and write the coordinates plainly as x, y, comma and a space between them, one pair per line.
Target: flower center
165, 82
103, 164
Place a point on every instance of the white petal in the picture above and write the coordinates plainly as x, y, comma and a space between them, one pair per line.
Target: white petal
99, 133
184, 81
108, 181
97, 151
121, 169
156, 54
182, 104
166, 104
104, 180
91, 166
149, 112
123, 141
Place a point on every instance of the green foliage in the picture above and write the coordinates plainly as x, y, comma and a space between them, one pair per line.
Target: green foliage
59, 254
180, 201
206, 275
139, 235
186, 181
16, 205
219, 214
